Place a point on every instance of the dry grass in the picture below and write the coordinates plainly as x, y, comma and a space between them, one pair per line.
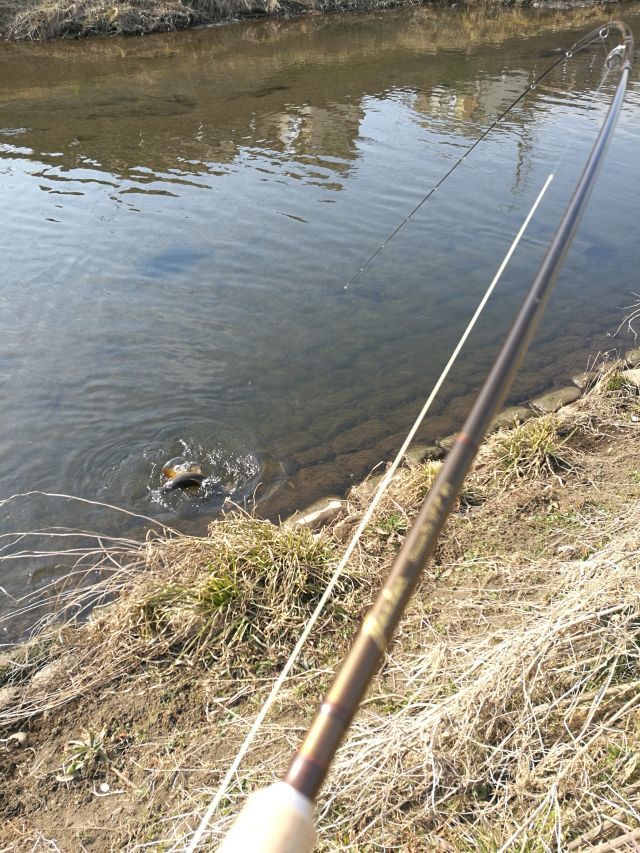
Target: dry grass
534, 449
40, 19
631, 318
507, 716
45, 19
235, 600
516, 726
539, 733
513, 722
405, 493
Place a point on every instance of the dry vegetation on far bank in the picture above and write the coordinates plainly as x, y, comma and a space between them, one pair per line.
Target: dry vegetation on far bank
46, 19
36, 20
507, 715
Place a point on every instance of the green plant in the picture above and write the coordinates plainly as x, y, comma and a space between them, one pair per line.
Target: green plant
615, 382
391, 525
532, 450
84, 755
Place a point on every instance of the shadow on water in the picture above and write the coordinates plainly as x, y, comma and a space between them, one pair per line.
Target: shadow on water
182, 213
172, 261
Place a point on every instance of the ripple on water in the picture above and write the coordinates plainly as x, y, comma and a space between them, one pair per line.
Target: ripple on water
130, 470
228, 474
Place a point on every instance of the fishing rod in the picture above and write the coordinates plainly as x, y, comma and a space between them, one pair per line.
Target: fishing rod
279, 819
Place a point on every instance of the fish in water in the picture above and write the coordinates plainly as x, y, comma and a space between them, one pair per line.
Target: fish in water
182, 481
181, 474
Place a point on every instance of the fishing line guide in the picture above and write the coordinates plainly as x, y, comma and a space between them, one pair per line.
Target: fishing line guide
601, 33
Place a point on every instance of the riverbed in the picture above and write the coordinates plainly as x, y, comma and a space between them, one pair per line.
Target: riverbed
183, 214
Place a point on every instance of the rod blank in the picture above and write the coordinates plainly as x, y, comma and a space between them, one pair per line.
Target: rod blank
311, 764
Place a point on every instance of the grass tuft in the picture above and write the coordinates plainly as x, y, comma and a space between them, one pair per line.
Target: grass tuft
614, 382
532, 450
231, 601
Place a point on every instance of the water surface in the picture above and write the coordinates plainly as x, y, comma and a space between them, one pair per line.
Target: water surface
181, 214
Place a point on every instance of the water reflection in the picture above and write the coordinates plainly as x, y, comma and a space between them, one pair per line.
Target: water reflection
171, 106
182, 212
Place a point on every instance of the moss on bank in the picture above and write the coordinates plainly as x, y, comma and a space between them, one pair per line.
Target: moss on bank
508, 710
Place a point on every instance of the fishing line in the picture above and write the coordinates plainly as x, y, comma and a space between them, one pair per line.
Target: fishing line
382, 487
312, 761
266, 707
581, 44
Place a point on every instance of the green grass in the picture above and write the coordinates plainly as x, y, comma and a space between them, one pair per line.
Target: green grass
532, 450
390, 525
615, 382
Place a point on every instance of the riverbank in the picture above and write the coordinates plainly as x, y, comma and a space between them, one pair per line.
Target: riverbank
51, 19
507, 709
70, 19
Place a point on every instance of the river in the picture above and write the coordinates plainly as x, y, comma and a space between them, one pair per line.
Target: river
182, 212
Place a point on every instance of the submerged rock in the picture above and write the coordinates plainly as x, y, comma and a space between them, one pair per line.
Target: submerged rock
632, 377
318, 514
554, 400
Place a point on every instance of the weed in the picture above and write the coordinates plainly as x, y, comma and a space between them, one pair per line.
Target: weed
532, 450
394, 523
391, 526
615, 381
565, 520
84, 755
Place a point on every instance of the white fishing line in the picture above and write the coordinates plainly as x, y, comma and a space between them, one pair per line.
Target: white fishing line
383, 485
224, 786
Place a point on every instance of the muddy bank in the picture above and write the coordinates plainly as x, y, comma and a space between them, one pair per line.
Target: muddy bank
48, 19
514, 674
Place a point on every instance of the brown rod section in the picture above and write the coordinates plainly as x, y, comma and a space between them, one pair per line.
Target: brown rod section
310, 766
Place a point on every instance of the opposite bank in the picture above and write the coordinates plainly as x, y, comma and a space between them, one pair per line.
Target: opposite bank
48, 19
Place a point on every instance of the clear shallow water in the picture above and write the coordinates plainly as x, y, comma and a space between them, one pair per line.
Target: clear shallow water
181, 214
